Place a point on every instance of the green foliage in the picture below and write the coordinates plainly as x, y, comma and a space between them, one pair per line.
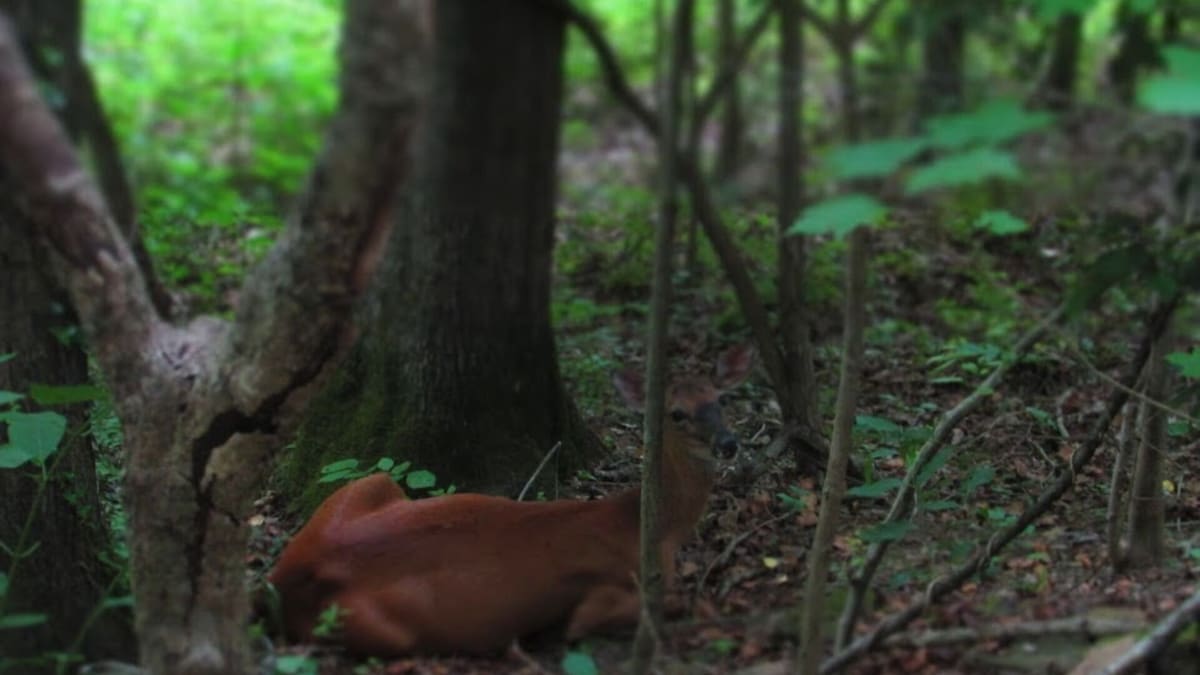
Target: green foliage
329, 621
795, 499
218, 109
964, 168
1188, 363
886, 532
1177, 91
992, 123
348, 470
839, 216
577, 662
1000, 223
874, 159
296, 664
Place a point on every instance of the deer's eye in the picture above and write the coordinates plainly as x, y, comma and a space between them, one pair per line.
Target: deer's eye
678, 415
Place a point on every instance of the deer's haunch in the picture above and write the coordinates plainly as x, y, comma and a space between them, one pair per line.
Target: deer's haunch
469, 573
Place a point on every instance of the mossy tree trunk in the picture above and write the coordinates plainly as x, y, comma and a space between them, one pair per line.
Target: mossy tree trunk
457, 370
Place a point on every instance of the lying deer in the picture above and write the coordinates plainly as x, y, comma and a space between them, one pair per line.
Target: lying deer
469, 573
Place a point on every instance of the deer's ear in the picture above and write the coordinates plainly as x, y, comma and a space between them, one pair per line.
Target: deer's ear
631, 386
734, 365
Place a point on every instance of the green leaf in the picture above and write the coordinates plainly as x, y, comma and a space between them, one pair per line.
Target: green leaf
939, 460
979, 476
880, 425
385, 464
295, 664
8, 397
1176, 92
7, 356
117, 601
1000, 222
992, 123
877, 158
875, 490
62, 394
335, 476
32, 437
340, 465
964, 168
420, 480
839, 216
884, 532
579, 663
13, 621
1188, 363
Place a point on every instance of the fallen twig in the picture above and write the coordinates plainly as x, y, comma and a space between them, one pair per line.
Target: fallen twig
1159, 638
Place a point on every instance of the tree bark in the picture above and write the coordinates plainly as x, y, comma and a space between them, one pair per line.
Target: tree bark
733, 125
65, 577
1057, 90
204, 405
794, 328
1147, 513
944, 52
457, 371
1137, 52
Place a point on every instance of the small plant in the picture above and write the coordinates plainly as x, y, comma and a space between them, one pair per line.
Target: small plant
329, 621
795, 499
296, 664
348, 469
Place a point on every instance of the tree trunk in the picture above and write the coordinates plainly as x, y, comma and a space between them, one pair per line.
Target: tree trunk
205, 404
1146, 526
798, 377
65, 577
1137, 52
733, 125
457, 372
944, 52
1057, 90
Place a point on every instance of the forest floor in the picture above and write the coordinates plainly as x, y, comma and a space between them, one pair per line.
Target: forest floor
945, 305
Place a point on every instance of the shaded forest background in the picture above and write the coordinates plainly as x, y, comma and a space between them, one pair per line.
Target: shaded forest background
1019, 177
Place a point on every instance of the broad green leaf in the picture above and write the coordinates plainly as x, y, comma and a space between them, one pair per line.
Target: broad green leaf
335, 476
385, 464
939, 505
420, 480
579, 663
32, 437
979, 476
874, 490
877, 158
880, 425
1000, 222
340, 465
117, 601
12, 621
992, 123
62, 394
887, 532
1188, 363
295, 664
8, 397
963, 168
7, 356
1171, 94
1182, 60
839, 216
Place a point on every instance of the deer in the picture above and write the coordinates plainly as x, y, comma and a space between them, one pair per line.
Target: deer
471, 573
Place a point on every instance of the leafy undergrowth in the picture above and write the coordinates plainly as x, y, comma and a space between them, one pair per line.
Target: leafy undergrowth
946, 304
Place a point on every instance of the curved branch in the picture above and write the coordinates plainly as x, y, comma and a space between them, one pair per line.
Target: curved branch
98, 268
729, 73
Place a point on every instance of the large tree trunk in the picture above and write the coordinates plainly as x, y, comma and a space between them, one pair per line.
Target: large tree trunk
457, 371
205, 404
64, 578
1146, 531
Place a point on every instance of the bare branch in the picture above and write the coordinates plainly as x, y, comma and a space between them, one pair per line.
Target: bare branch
729, 73
864, 22
824, 26
1158, 640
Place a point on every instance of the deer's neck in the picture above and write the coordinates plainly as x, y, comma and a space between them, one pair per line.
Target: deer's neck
688, 475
